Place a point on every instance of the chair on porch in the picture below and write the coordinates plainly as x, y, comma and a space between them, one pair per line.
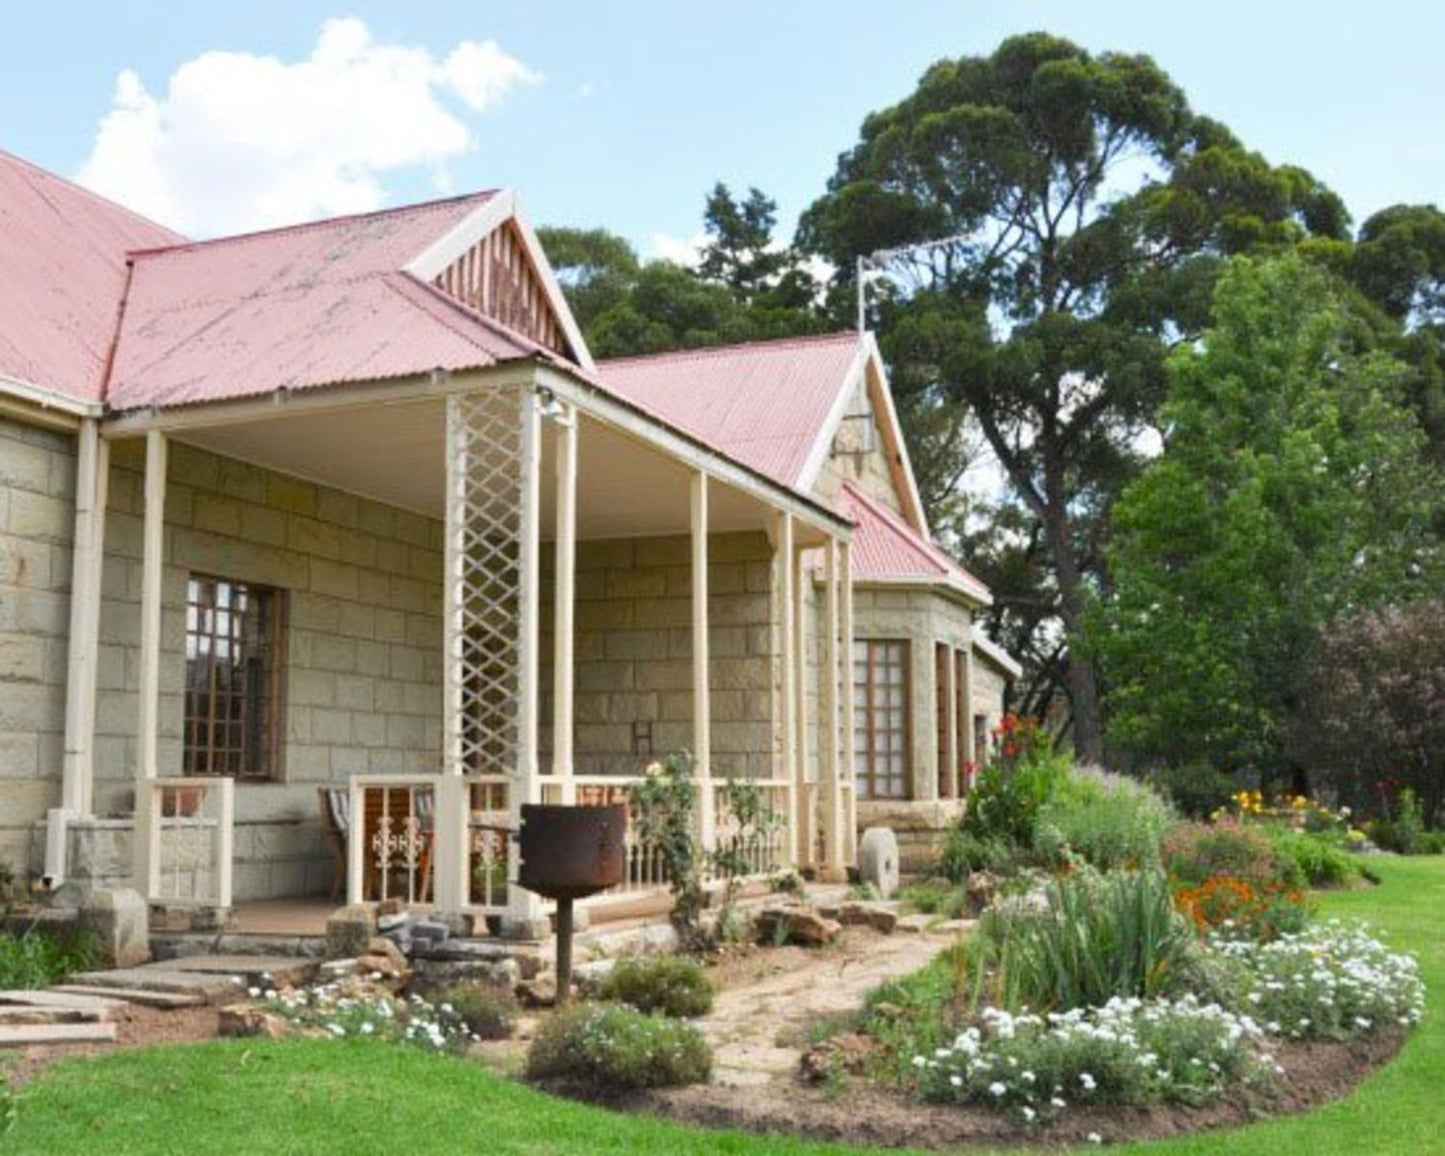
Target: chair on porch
335, 804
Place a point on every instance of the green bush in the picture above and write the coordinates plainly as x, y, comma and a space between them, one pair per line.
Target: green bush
1194, 853
936, 897
964, 853
1319, 860
489, 1012
1095, 939
1107, 820
1197, 790
1016, 782
612, 1046
38, 959
671, 984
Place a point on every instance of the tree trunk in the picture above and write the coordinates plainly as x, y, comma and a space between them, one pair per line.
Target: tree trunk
1082, 680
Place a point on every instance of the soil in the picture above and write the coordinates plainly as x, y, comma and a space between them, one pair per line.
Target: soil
136, 1027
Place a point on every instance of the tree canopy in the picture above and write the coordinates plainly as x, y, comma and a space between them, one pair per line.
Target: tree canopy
1079, 210
1290, 493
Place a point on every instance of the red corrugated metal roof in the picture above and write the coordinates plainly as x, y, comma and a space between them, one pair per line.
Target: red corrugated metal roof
309, 305
763, 403
886, 548
62, 268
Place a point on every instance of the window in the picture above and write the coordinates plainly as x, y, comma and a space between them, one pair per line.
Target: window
233, 669
880, 712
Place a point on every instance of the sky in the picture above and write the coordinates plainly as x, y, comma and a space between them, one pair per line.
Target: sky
218, 118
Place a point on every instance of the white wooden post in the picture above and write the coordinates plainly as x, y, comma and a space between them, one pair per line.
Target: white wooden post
523, 904
791, 767
90, 497
828, 718
225, 831
701, 691
949, 774
147, 835
355, 848
565, 599
449, 812
848, 775
807, 813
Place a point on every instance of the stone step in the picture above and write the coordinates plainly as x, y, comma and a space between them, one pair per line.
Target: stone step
61, 999
26, 1035
281, 968
13, 1015
166, 1000
163, 977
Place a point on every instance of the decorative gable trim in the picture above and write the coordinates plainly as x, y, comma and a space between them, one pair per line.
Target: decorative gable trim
868, 368
492, 261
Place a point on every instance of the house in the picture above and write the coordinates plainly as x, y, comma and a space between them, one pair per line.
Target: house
339, 528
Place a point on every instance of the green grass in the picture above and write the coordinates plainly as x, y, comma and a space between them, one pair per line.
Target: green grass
324, 1097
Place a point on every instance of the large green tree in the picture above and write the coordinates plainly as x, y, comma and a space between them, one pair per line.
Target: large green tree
1078, 209
1290, 493
745, 287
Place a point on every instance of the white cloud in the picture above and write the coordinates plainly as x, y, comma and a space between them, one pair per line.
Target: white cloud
664, 247
239, 141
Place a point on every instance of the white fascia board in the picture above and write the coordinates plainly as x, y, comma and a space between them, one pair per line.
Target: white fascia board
481, 222
823, 441
996, 654
48, 399
974, 593
895, 433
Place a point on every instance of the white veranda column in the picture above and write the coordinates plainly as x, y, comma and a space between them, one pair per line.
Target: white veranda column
524, 904
147, 835
806, 816
829, 794
847, 777
92, 475
788, 699
564, 612
451, 851
701, 691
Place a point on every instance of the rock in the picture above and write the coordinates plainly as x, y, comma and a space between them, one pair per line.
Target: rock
524, 927
385, 958
982, 889
914, 924
589, 976
539, 992
429, 930
389, 908
478, 951
800, 925
391, 922
349, 931
334, 969
502, 973
244, 1020
878, 860
846, 1053
881, 919
385, 947
954, 926
119, 921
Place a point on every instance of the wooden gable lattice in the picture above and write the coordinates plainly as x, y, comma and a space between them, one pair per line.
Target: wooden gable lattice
496, 277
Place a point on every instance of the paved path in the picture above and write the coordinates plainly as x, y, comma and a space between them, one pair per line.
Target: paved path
755, 1028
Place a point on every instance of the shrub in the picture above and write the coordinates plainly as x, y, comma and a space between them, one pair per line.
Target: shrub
1333, 981
1234, 905
1193, 853
1098, 938
341, 1011
1017, 781
1317, 858
936, 897
613, 1046
664, 804
1197, 790
1129, 1052
38, 959
488, 1012
1106, 820
965, 852
670, 984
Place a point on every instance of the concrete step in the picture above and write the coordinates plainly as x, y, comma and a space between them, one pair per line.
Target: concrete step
27, 1035
167, 1000
101, 1005
280, 968
14, 1015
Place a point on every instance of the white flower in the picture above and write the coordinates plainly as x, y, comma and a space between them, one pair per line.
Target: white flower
1056, 1102
1087, 1081
1094, 1138
997, 1089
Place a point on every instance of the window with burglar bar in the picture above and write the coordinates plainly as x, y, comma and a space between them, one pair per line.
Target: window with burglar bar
233, 671
880, 713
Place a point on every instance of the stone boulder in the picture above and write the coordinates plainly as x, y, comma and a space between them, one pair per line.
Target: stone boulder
384, 958
845, 1054
982, 890
800, 925
878, 861
349, 931
242, 1020
119, 922
881, 919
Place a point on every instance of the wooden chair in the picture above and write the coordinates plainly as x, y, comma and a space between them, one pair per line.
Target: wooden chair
335, 805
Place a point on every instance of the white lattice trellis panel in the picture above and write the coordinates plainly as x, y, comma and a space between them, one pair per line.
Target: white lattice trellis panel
484, 579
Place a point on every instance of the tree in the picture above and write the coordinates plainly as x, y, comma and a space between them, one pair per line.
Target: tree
1290, 493
744, 288
1078, 210
1372, 707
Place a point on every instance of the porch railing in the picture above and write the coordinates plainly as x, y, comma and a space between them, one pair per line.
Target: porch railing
191, 832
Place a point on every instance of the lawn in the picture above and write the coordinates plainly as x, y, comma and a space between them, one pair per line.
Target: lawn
321, 1097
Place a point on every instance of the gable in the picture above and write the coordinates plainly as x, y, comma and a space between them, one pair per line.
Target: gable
496, 277
857, 454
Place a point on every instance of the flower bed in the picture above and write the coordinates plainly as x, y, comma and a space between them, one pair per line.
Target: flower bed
348, 1010
1130, 1052
1334, 981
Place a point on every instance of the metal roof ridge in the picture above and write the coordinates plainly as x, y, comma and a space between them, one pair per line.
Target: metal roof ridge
733, 347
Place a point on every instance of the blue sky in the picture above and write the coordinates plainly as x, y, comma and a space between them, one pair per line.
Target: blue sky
623, 114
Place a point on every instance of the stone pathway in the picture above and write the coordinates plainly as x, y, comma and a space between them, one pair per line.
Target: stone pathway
755, 1028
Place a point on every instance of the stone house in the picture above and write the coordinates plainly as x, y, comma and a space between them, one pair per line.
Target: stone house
340, 527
